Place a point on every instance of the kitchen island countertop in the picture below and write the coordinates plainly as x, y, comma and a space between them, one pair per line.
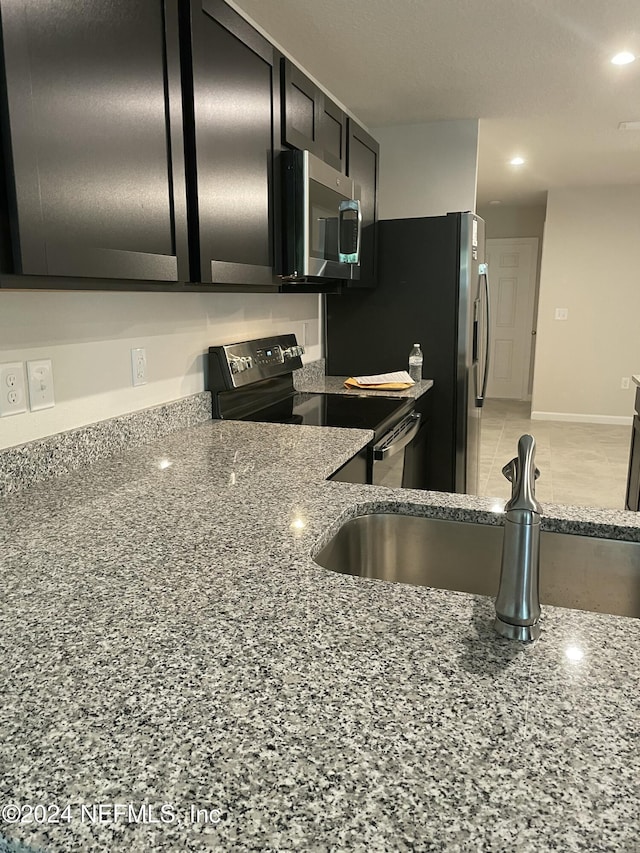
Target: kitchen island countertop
167, 641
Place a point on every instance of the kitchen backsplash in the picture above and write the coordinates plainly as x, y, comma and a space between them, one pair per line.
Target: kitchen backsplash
308, 373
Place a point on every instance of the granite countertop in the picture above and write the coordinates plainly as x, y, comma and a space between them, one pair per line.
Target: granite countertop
167, 642
335, 385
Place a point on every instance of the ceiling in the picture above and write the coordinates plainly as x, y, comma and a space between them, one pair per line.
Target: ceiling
537, 73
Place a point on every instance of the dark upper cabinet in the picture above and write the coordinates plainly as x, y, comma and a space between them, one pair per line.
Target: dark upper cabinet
140, 143
229, 131
93, 138
362, 165
332, 132
310, 120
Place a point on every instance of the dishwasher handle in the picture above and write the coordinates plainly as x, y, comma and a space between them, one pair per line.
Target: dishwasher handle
397, 438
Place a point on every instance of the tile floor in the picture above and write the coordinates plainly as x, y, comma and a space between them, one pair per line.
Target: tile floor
580, 464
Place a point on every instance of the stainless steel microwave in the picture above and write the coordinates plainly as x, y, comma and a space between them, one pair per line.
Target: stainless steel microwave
322, 221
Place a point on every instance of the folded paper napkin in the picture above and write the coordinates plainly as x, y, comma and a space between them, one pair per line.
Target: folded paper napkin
381, 382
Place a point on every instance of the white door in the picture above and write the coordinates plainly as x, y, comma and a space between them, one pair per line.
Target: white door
513, 265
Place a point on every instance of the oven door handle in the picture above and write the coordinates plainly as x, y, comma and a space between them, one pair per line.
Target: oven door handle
397, 438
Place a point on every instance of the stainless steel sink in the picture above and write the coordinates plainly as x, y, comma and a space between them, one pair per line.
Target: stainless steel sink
602, 575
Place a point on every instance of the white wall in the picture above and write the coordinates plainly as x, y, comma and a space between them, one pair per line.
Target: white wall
511, 220
89, 336
589, 266
427, 169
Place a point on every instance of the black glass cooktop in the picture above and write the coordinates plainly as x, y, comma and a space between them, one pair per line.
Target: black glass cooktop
333, 410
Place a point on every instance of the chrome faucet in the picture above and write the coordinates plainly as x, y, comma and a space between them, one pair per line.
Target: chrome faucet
518, 601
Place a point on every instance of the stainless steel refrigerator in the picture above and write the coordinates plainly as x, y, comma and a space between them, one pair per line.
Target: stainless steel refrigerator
432, 289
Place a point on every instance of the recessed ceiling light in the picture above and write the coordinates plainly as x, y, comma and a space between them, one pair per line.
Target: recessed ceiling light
623, 58
517, 161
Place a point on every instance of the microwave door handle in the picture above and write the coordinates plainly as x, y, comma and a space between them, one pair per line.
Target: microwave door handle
382, 450
343, 207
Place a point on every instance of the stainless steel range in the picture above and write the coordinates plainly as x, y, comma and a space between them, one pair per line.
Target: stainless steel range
253, 381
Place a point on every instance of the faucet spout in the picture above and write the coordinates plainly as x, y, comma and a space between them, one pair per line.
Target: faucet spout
518, 601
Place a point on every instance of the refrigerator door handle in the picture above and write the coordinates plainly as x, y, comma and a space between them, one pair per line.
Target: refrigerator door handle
475, 344
483, 271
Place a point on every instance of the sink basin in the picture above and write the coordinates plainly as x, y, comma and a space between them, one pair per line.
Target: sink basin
581, 572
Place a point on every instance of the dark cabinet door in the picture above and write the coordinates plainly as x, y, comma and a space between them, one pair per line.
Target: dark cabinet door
299, 109
362, 165
632, 501
235, 87
311, 121
93, 113
331, 132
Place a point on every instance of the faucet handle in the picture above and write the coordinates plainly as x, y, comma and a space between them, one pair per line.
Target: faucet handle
509, 471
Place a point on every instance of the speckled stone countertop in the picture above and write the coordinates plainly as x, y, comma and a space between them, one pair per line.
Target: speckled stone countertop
169, 651
335, 385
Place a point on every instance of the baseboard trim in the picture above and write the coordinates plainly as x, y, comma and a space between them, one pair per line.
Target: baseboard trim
574, 417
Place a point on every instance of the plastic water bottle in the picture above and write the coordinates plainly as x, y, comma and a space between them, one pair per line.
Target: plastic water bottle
415, 363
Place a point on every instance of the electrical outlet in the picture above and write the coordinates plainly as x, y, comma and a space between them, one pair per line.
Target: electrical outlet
562, 314
139, 366
40, 379
13, 400
624, 382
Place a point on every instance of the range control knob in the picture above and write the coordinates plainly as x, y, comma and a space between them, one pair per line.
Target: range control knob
292, 352
238, 363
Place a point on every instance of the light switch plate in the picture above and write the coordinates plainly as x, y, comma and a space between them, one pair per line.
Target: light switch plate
40, 378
